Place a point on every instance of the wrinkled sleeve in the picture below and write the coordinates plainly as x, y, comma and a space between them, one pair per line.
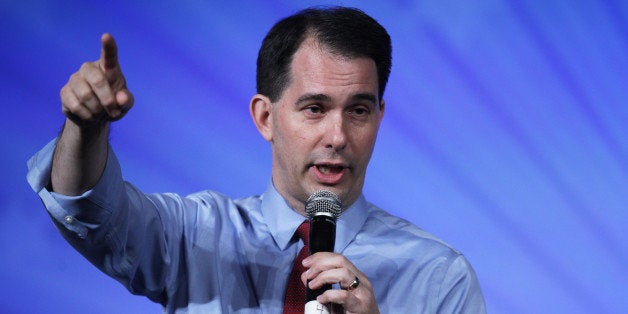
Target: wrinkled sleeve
76, 216
115, 226
460, 290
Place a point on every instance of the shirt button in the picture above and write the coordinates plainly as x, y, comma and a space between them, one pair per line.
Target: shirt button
69, 219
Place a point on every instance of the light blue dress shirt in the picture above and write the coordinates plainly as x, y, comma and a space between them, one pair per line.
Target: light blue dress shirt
207, 253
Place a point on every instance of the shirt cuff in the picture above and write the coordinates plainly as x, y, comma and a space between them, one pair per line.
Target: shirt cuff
77, 214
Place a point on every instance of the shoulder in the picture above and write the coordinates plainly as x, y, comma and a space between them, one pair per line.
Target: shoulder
409, 249
217, 200
384, 225
418, 263
216, 204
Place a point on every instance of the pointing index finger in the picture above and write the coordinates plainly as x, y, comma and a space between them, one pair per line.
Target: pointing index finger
108, 53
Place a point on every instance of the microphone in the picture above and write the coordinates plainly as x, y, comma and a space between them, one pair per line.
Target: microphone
322, 208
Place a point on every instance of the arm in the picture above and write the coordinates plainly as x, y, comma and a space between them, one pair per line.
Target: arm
111, 223
93, 97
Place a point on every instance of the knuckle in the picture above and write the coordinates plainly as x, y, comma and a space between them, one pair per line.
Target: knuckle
73, 76
63, 92
90, 72
74, 79
108, 102
83, 94
344, 294
72, 107
339, 260
85, 67
97, 79
95, 76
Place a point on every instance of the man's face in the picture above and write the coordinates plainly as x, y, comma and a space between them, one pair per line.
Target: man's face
324, 126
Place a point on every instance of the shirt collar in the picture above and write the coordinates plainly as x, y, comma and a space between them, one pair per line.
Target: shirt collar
350, 223
283, 221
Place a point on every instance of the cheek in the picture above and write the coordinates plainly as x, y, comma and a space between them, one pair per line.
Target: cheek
290, 142
366, 145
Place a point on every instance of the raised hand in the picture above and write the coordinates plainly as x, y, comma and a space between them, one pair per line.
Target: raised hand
97, 93
93, 96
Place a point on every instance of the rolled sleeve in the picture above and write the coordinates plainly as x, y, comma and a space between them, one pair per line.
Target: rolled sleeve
77, 214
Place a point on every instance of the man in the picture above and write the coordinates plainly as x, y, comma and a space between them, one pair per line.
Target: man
321, 78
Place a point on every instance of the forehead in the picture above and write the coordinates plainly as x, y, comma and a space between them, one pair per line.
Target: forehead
315, 66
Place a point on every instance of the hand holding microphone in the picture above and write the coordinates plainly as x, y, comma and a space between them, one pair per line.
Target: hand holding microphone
327, 268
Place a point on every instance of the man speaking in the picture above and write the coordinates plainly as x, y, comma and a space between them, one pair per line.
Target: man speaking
321, 76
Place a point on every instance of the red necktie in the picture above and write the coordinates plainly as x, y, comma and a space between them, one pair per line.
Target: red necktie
295, 290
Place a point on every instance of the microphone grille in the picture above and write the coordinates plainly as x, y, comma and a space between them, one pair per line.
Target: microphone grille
323, 202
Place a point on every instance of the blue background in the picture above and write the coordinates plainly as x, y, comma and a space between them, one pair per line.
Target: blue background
505, 134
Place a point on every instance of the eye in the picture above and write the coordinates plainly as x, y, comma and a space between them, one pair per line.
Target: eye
359, 111
314, 109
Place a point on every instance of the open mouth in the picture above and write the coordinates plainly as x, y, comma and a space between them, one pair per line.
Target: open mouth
329, 174
329, 169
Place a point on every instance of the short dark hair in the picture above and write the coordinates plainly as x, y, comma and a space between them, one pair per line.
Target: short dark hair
345, 31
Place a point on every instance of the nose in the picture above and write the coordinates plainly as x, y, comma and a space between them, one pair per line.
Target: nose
336, 133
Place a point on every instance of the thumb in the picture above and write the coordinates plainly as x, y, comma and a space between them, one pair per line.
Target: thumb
108, 53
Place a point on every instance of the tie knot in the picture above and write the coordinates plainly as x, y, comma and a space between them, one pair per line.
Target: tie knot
303, 232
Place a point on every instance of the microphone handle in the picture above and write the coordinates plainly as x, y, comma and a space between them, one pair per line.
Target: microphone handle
322, 239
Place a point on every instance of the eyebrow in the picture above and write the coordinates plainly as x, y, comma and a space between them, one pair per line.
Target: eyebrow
325, 98
365, 96
312, 97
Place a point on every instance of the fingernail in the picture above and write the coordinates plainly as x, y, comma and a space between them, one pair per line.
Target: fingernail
306, 261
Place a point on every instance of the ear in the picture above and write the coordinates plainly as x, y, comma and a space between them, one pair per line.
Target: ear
382, 106
260, 109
